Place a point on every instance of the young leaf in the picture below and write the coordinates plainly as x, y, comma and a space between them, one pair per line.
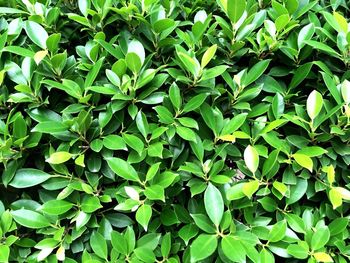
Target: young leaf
314, 104
251, 158
59, 157
208, 55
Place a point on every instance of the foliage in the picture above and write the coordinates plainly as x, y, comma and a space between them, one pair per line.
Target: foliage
174, 131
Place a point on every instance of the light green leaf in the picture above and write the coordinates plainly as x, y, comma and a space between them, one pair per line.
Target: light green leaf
203, 246
155, 192
99, 245
175, 96
208, 55
233, 249
186, 133
56, 207
305, 33
90, 204
314, 104
278, 231
320, 238
36, 33
251, 158
27, 177
143, 215
235, 9
4, 249
345, 91
335, 197
214, 204
114, 142
59, 157
30, 219
123, 169
250, 188
134, 142
303, 160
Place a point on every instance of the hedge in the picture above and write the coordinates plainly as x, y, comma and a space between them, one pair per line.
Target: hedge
174, 131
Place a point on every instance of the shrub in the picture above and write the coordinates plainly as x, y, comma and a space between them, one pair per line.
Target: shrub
174, 131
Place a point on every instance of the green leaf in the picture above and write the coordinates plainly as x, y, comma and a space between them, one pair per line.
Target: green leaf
134, 142
84, 5
9, 10
323, 47
28, 177
235, 9
297, 191
4, 249
91, 76
119, 243
214, 204
203, 246
123, 169
191, 64
296, 223
320, 238
278, 231
233, 249
312, 151
145, 254
133, 62
59, 157
298, 251
142, 123
305, 33
98, 244
90, 204
266, 256
188, 232
175, 96
195, 102
338, 225
300, 74
234, 124
314, 104
155, 192
143, 215
56, 207
152, 171
36, 33
186, 133
68, 86
114, 142
30, 219
256, 71
251, 158
136, 47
